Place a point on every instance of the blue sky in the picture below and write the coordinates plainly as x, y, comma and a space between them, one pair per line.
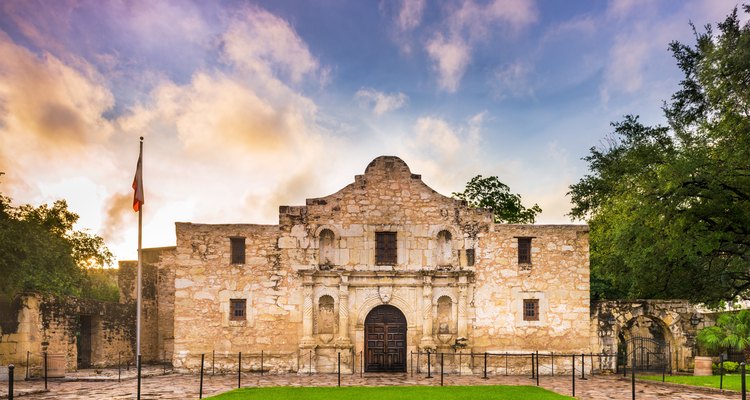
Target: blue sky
246, 106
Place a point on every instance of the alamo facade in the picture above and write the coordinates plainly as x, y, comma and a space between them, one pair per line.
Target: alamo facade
386, 266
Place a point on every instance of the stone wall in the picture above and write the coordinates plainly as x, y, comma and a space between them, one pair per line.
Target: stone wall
157, 308
676, 322
51, 324
206, 281
311, 281
558, 277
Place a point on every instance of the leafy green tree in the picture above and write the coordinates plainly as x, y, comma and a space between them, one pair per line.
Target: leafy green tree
491, 193
40, 250
732, 331
669, 206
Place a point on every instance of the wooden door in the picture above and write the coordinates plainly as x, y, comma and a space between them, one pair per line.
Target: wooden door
385, 340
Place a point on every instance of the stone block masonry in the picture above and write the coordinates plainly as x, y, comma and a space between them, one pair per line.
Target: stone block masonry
387, 246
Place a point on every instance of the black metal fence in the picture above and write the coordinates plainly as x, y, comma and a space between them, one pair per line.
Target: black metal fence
536, 365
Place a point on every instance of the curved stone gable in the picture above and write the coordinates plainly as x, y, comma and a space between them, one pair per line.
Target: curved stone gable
387, 193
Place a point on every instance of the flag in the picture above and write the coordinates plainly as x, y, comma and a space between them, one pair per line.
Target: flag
138, 183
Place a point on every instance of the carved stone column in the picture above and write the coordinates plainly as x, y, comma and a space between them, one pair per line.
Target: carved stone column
463, 321
343, 340
307, 313
427, 342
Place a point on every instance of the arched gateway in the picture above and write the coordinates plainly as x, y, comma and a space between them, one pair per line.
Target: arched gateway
385, 340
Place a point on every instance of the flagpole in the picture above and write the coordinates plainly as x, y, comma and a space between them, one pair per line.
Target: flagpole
140, 267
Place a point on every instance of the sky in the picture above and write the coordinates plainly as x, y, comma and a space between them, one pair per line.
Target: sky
248, 105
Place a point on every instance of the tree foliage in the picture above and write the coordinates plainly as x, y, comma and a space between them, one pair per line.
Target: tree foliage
732, 331
492, 194
40, 251
669, 206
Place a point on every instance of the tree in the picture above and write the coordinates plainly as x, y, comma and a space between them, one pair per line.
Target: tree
40, 250
669, 206
732, 331
491, 193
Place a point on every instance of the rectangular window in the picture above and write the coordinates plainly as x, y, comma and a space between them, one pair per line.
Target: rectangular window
531, 309
524, 250
470, 257
385, 248
238, 250
237, 309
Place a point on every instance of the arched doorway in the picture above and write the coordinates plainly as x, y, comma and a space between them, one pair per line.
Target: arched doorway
647, 341
385, 340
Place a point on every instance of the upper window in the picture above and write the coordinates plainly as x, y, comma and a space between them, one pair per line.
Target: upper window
531, 309
385, 248
524, 250
470, 257
238, 250
237, 309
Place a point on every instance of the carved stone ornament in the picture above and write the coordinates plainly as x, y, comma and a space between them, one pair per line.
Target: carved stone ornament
385, 292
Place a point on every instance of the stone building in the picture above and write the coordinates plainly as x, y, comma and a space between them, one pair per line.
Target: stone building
382, 268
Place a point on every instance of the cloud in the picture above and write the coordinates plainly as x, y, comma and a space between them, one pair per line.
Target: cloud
450, 48
434, 144
512, 80
406, 16
451, 59
380, 102
265, 44
50, 111
410, 15
117, 209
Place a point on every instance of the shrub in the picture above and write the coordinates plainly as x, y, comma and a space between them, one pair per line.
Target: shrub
729, 367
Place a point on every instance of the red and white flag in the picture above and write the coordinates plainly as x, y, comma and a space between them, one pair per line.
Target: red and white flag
138, 183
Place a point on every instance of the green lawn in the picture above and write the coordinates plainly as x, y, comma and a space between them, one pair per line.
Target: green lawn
731, 382
394, 393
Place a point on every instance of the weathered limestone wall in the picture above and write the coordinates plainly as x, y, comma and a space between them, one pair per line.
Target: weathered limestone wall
676, 322
558, 277
311, 281
157, 312
206, 281
50, 324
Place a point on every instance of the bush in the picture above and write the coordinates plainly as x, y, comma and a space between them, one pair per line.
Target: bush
729, 367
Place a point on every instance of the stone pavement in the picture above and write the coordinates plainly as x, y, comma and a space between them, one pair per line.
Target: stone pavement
185, 386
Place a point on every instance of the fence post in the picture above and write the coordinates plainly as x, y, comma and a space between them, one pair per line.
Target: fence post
591, 359
339, 368
506, 365
11, 367
574, 374
459, 361
428, 365
583, 366
721, 373
441, 368
45, 370
632, 375
744, 387
537, 367
485, 366
139, 377
553, 364
200, 388
239, 371
27, 364
261, 362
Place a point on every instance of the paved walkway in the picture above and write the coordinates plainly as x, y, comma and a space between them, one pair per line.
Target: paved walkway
185, 386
